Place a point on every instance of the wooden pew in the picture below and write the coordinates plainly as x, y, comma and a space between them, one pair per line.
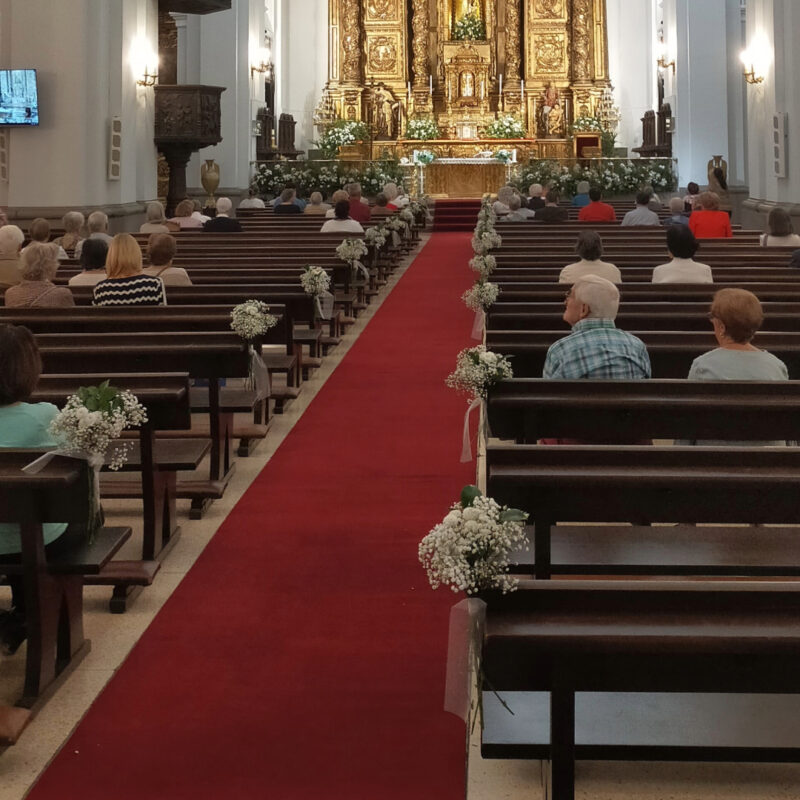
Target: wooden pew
641, 671
53, 586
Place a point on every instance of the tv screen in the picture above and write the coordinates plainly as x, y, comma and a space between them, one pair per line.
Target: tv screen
19, 98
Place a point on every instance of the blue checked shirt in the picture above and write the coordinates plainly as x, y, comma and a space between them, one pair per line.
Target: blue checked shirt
597, 349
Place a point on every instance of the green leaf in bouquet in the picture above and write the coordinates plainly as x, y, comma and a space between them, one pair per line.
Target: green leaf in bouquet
468, 495
513, 515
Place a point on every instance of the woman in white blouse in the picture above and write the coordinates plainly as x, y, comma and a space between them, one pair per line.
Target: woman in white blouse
341, 222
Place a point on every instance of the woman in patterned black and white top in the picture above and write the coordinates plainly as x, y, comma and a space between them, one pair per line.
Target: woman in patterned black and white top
126, 284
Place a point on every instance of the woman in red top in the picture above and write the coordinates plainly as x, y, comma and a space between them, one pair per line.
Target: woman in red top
708, 222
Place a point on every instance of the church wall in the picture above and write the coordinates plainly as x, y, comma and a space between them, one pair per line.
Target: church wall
64, 162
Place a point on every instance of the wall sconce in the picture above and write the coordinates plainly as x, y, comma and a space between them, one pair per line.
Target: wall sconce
662, 57
749, 63
144, 62
262, 64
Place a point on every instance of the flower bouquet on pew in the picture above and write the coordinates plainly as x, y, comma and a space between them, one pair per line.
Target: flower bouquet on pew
91, 420
483, 242
250, 320
479, 299
375, 236
351, 251
317, 283
477, 370
484, 265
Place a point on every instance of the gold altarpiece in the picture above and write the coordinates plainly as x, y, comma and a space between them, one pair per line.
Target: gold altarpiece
544, 61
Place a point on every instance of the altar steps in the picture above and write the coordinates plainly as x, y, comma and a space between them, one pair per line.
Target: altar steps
456, 215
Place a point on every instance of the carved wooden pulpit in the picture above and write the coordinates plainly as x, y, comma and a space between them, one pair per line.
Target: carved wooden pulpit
187, 119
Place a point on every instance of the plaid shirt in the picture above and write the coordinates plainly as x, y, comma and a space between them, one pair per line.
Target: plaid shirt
597, 349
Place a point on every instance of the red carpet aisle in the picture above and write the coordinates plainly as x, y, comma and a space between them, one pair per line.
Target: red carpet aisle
303, 657
455, 215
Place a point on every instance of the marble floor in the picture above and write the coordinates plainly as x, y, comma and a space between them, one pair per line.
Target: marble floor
113, 636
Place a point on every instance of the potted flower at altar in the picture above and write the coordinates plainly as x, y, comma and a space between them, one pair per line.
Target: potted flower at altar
422, 128
505, 127
342, 133
470, 28
424, 157
504, 156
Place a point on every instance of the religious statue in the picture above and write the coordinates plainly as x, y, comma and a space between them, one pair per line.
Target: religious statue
555, 120
466, 8
548, 100
467, 84
384, 108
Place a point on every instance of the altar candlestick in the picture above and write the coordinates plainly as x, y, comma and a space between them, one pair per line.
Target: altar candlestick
501, 84
522, 89
430, 85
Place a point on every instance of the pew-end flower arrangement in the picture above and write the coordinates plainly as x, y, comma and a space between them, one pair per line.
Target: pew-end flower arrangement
483, 242
481, 296
469, 550
317, 283
484, 265
250, 320
376, 236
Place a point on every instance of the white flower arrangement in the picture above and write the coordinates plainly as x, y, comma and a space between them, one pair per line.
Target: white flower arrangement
351, 250
504, 156
407, 215
422, 128
252, 319
485, 265
477, 370
481, 296
395, 224
375, 237
482, 243
506, 127
469, 549
587, 123
315, 280
469, 28
424, 157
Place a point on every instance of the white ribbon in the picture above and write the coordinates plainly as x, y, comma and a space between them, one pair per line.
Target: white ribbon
479, 324
466, 447
359, 267
464, 640
395, 239
259, 375
324, 304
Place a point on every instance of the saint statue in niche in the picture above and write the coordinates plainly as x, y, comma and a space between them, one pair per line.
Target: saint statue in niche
467, 85
384, 109
555, 120
548, 100
465, 8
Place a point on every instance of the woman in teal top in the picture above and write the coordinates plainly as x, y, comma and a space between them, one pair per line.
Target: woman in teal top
22, 424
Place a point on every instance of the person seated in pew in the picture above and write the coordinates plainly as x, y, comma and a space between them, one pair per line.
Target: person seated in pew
677, 214
642, 215
37, 290
315, 204
11, 239
93, 260
161, 250
336, 197
287, 204
252, 200
708, 222
359, 209
73, 223
597, 211
581, 198
223, 223
298, 201
690, 198
97, 225
184, 216
342, 221
655, 203
590, 248
683, 268
198, 212
501, 205
381, 208
595, 348
39, 231
394, 200
22, 424
516, 213
535, 198
156, 221
126, 284
552, 212
781, 233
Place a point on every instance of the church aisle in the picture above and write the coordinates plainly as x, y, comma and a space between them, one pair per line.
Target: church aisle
303, 656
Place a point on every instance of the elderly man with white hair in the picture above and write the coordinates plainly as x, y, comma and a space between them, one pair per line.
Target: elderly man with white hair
97, 225
536, 196
223, 223
596, 348
11, 239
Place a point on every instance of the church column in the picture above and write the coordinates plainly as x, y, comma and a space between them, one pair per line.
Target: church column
513, 66
420, 23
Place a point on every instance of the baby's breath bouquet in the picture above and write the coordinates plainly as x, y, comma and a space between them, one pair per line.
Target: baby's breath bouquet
407, 215
485, 265
315, 280
252, 319
375, 237
351, 251
477, 370
469, 549
481, 295
482, 243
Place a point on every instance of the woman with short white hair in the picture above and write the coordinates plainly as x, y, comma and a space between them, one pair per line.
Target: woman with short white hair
73, 223
11, 239
155, 221
39, 265
504, 194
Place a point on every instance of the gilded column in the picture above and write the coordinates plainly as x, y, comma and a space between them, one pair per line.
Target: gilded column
351, 41
582, 34
512, 43
420, 23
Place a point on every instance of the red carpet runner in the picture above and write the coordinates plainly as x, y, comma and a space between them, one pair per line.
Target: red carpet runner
303, 657
456, 215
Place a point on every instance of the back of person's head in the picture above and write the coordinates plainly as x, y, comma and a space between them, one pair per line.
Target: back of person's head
39, 261
552, 197
693, 188
643, 198
709, 201
381, 200
390, 191
535, 190
196, 205
505, 193
20, 364
583, 187
342, 209
72, 221
676, 206
720, 176
94, 253
224, 205
315, 199
589, 245
595, 194
287, 195
681, 241
780, 223
11, 239
600, 295
184, 209
739, 311
124, 257
252, 192
161, 249
515, 202
97, 222
354, 189
339, 195
39, 230
154, 212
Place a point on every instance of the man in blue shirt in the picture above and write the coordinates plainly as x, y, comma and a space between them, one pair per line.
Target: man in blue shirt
596, 348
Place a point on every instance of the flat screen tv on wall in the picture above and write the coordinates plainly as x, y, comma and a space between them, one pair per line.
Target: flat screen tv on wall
19, 97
